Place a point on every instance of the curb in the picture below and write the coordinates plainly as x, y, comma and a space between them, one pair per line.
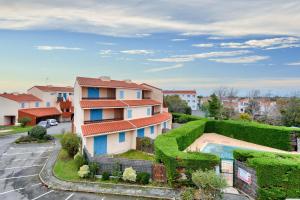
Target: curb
48, 179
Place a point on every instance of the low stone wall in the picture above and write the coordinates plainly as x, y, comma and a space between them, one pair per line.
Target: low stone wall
249, 189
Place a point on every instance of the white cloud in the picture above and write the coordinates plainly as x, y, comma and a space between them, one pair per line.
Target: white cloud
203, 45
159, 69
129, 18
52, 48
107, 43
105, 52
246, 59
137, 51
294, 64
268, 44
192, 57
178, 39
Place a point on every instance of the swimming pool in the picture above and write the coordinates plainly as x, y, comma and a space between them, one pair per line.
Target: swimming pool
224, 151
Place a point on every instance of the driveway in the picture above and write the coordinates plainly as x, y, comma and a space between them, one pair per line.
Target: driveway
20, 165
60, 128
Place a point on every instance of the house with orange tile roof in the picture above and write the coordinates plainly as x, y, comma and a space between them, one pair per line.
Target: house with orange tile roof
56, 96
110, 114
190, 96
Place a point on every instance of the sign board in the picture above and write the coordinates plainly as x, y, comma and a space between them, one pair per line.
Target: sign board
244, 176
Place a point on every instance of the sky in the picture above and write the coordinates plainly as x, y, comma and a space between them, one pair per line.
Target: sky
191, 44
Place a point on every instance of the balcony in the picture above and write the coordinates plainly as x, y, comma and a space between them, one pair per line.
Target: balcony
156, 113
103, 120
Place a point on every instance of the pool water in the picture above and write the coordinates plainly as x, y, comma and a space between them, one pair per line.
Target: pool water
223, 151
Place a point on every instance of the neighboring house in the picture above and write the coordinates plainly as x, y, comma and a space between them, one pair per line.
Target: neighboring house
11, 103
190, 96
54, 96
110, 114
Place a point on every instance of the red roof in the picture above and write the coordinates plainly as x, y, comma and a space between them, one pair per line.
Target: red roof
98, 82
50, 88
20, 97
156, 119
116, 103
116, 126
179, 92
41, 112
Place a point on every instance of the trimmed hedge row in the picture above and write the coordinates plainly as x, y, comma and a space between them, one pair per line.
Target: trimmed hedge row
184, 118
267, 135
169, 150
278, 175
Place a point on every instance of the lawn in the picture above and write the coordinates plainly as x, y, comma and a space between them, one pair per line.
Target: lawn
14, 129
135, 155
58, 136
65, 167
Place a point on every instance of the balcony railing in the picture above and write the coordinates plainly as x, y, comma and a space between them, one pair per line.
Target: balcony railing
102, 120
98, 98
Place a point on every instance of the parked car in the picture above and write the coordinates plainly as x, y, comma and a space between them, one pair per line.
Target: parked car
52, 122
44, 124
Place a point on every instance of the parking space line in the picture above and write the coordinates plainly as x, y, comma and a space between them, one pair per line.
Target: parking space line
69, 196
16, 177
28, 159
19, 189
30, 147
12, 154
43, 195
21, 167
36, 184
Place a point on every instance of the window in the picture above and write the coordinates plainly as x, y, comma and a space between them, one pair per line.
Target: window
121, 137
188, 95
151, 129
138, 94
48, 104
59, 94
22, 105
129, 113
148, 111
121, 94
70, 94
165, 124
37, 104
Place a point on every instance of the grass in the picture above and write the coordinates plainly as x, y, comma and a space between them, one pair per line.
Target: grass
58, 136
136, 155
65, 167
14, 129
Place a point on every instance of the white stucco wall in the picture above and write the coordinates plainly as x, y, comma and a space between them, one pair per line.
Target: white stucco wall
128, 94
78, 111
8, 108
137, 112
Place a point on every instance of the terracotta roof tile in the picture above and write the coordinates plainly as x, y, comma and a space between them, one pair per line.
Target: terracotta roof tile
179, 92
20, 97
116, 126
106, 127
117, 103
41, 112
50, 88
156, 119
97, 82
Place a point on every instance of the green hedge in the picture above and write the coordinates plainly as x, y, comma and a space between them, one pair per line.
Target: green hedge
278, 175
267, 135
169, 149
184, 118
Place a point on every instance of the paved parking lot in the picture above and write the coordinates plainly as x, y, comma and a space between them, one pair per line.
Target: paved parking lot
20, 165
60, 128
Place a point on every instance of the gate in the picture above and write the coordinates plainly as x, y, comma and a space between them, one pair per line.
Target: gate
227, 170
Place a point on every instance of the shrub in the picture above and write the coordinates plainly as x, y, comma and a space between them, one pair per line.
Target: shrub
24, 121
245, 117
38, 132
129, 174
94, 167
183, 118
143, 178
70, 142
188, 194
79, 160
84, 171
105, 176
278, 175
209, 183
25, 139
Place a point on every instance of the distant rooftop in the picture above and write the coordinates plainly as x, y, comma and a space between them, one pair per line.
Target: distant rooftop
179, 92
20, 97
51, 88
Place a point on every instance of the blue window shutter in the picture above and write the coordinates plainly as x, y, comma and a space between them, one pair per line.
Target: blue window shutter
23, 105
93, 93
121, 94
37, 104
100, 145
48, 104
141, 133
65, 96
152, 129
138, 94
148, 111
121, 137
129, 113
96, 114
165, 125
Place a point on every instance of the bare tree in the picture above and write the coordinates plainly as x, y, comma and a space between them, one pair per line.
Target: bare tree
254, 94
221, 92
232, 92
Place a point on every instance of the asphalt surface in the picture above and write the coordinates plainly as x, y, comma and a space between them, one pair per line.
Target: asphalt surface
60, 128
20, 165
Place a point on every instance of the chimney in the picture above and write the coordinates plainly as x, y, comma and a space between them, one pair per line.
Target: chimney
104, 78
128, 81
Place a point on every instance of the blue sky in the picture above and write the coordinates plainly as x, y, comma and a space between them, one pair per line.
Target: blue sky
203, 44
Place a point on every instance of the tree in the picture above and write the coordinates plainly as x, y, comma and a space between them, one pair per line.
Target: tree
254, 106
214, 106
71, 143
176, 104
290, 112
24, 121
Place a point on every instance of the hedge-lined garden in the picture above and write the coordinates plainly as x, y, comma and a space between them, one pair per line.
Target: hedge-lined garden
169, 147
278, 175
